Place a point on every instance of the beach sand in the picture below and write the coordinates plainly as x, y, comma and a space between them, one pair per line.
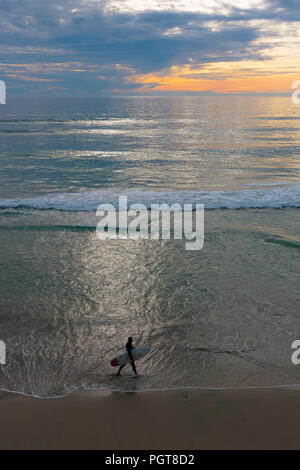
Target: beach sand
182, 419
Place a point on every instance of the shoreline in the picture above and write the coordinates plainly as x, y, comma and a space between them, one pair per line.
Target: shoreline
173, 420
85, 390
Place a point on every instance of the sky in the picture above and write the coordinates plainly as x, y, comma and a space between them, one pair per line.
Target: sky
149, 47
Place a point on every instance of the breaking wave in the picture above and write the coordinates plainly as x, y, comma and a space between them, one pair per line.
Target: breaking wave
285, 195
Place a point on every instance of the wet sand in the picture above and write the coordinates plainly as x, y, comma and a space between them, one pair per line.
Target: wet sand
250, 419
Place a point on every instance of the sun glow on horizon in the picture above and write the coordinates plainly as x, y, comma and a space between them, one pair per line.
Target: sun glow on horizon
275, 70
222, 77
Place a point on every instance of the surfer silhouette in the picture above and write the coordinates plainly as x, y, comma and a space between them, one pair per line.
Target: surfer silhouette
129, 348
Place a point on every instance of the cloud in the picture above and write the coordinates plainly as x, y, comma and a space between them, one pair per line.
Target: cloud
195, 6
28, 78
100, 45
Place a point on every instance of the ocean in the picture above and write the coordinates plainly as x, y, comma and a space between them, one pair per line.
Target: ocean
224, 316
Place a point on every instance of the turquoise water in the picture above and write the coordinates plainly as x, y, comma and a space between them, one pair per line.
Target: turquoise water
224, 316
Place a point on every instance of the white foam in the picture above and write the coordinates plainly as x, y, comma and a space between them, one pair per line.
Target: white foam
285, 195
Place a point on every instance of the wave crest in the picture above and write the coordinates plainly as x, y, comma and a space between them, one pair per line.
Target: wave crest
268, 197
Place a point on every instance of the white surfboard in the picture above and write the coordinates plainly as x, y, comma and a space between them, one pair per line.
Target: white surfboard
137, 353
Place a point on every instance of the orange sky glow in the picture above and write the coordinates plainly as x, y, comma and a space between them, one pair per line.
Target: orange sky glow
270, 76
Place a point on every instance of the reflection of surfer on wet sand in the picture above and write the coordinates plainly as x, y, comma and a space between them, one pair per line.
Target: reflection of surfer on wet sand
131, 355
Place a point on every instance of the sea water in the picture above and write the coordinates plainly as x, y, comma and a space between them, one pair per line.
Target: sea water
223, 316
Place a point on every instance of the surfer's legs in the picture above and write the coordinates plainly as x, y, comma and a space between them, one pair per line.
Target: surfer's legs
121, 367
133, 367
